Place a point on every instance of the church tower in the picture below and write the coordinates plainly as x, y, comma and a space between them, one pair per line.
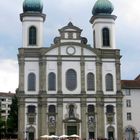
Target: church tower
109, 96
103, 24
32, 20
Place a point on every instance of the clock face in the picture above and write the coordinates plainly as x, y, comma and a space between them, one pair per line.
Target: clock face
70, 50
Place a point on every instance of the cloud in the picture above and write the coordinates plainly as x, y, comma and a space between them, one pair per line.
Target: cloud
8, 75
58, 14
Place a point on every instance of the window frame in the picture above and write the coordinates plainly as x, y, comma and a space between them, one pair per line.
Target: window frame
51, 81
71, 84
31, 109
31, 82
128, 103
90, 108
129, 116
109, 109
109, 79
50, 108
32, 36
90, 81
106, 37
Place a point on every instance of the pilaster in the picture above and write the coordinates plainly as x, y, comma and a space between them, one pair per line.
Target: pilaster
83, 118
21, 116
118, 76
59, 125
119, 112
42, 75
100, 117
59, 76
82, 67
42, 116
98, 75
21, 62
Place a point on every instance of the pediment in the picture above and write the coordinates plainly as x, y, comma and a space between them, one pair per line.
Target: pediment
70, 50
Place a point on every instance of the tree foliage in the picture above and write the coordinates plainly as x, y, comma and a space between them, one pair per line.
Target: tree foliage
12, 121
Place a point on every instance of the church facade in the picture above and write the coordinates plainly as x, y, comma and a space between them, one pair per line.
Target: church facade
69, 87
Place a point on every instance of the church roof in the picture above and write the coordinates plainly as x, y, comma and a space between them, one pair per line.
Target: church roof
32, 6
102, 7
70, 26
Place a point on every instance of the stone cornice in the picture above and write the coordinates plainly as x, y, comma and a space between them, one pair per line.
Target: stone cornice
93, 18
70, 96
40, 52
36, 14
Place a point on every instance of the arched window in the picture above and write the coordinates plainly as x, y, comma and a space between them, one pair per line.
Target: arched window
91, 109
106, 37
31, 82
130, 133
109, 109
90, 81
71, 79
32, 35
52, 109
31, 109
109, 82
51, 81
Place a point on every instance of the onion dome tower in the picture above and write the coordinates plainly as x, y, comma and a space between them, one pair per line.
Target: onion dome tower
32, 6
103, 24
102, 7
32, 19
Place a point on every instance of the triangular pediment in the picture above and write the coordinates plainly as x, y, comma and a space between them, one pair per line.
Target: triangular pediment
70, 50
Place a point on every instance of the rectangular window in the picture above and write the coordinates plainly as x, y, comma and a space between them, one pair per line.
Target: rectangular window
3, 99
127, 92
3, 106
129, 116
128, 103
3, 111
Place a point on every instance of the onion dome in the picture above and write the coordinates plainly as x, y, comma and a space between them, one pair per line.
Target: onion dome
102, 7
32, 6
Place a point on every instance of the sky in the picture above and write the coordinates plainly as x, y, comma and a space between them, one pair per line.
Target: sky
58, 14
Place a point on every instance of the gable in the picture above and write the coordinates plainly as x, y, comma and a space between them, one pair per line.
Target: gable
70, 50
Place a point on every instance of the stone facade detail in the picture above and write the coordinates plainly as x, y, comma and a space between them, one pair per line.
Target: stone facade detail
69, 103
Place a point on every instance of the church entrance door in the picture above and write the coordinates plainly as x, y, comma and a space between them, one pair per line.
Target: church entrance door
71, 130
31, 135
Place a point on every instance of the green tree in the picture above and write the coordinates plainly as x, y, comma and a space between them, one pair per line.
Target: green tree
12, 121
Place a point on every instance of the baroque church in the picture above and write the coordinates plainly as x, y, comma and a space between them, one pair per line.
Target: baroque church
70, 87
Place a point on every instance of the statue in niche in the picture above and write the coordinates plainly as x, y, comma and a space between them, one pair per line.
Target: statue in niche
52, 120
91, 120
71, 111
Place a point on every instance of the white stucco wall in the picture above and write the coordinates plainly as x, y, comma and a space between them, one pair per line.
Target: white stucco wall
134, 110
31, 67
108, 67
26, 24
98, 25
